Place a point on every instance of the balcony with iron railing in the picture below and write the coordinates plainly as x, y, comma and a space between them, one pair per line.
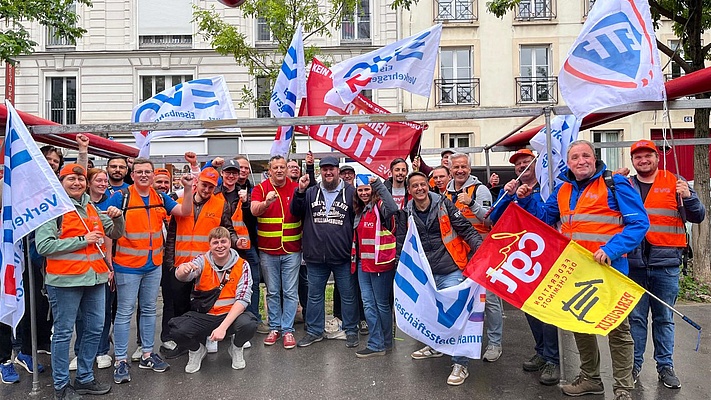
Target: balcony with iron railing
537, 90
456, 10
356, 31
165, 42
54, 41
457, 92
61, 111
535, 10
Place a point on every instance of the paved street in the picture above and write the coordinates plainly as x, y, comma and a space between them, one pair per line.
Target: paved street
328, 370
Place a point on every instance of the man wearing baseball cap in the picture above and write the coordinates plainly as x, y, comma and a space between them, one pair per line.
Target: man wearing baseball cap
654, 265
187, 239
347, 173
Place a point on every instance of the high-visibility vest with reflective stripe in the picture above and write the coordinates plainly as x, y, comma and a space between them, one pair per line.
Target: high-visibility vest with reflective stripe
456, 246
278, 230
666, 227
191, 235
209, 280
144, 231
239, 225
592, 223
467, 212
79, 261
365, 233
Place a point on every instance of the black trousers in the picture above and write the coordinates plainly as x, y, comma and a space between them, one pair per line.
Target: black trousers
42, 312
176, 300
5, 343
192, 328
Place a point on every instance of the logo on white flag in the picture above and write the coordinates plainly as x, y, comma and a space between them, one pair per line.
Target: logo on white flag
564, 131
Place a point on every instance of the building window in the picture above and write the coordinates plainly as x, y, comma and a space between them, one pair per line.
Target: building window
264, 91
356, 26
675, 70
536, 85
367, 93
529, 10
165, 41
610, 156
455, 140
264, 34
151, 85
456, 85
456, 10
62, 103
53, 38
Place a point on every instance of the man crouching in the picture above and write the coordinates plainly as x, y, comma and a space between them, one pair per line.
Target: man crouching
221, 292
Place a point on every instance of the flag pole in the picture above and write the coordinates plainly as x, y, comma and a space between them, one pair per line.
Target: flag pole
33, 310
517, 179
549, 149
680, 201
677, 312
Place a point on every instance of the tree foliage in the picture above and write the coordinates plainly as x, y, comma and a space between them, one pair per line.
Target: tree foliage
54, 14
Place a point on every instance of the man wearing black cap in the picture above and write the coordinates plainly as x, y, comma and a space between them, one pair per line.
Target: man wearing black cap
327, 212
347, 173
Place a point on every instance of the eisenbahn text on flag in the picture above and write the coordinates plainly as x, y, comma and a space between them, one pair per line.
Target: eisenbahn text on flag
31, 196
614, 60
199, 99
537, 269
450, 320
408, 64
290, 86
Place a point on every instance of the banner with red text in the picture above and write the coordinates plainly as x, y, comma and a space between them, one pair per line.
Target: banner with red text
372, 145
537, 269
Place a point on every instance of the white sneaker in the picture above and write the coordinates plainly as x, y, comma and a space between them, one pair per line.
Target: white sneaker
195, 359
73, 364
211, 346
458, 376
137, 355
237, 354
247, 345
104, 361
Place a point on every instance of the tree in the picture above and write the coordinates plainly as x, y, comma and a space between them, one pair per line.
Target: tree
54, 14
281, 18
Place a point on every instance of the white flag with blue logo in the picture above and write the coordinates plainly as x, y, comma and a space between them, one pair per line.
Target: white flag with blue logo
290, 86
564, 131
408, 64
450, 320
614, 61
199, 99
31, 196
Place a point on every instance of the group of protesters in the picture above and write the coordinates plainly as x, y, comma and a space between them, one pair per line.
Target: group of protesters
208, 241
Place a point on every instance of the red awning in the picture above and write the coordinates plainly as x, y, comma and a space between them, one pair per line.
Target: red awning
98, 146
687, 85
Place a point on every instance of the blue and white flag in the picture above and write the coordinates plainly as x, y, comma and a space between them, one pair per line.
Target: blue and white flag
199, 99
564, 131
408, 64
450, 320
614, 61
290, 86
31, 196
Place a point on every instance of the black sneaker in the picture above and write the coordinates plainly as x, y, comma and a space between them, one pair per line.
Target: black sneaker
550, 375
352, 340
309, 339
668, 378
366, 352
93, 387
174, 353
536, 363
66, 393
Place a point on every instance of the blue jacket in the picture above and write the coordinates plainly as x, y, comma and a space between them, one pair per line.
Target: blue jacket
649, 256
625, 200
505, 199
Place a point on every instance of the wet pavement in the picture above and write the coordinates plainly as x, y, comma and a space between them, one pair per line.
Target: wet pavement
329, 370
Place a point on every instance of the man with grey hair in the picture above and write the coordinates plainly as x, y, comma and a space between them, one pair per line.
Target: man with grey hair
473, 199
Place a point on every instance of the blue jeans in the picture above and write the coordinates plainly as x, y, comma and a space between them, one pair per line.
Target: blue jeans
546, 337
129, 287
282, 275
104, 345
443, 282
494, 317
315, 311
663, 283
67, 303
252, 257
375, 289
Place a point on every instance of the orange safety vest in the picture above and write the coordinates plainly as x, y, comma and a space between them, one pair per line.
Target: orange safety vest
210, 280
191, 236
279, 231
592, 223
666, 228
373, 259
239, 225
467, 212
79, 261
456, 246
144, 231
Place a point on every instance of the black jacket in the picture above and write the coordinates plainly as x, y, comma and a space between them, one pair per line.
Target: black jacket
248, 219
